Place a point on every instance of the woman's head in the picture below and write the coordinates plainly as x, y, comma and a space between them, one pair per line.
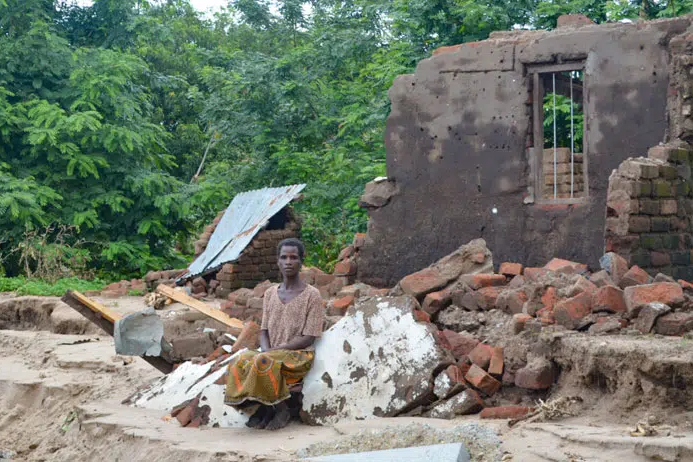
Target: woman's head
290, 254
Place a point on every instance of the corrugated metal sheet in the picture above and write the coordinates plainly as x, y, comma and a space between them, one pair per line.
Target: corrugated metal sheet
247, 214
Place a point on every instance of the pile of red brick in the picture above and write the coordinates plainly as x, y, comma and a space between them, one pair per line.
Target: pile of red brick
122, 288
565, 293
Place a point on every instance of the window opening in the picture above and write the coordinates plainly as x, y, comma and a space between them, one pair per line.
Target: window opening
559, 132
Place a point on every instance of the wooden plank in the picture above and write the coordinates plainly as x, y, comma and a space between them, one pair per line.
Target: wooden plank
202, 307
105, 318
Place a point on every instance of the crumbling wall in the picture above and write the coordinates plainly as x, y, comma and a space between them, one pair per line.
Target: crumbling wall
257, 262
458, 140
649, 210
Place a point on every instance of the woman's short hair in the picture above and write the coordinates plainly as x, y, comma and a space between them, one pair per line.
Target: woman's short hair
292, 242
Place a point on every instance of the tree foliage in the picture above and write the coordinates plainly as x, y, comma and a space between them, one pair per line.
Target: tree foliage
106, 111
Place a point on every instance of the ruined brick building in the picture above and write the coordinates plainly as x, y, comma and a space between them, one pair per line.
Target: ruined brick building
471, 150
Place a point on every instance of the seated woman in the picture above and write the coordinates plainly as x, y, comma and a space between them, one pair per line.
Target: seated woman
292, 318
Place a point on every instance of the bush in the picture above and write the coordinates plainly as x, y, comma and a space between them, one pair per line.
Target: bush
25, 286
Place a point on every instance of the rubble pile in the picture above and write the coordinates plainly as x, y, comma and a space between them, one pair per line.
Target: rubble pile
123, 288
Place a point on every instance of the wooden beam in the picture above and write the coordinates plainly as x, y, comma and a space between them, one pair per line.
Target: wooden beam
106, 318
202, 307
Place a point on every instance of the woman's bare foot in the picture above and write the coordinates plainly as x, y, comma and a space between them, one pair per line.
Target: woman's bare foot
269, 415
257, 418
281, 418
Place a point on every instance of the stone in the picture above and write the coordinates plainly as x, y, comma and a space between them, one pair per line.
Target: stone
634, 276
449, 382
538, 374
674, 324
610, 325
459, 320
139, 334
510, 269
461, 261
436, 301
465, 403
460, 344
481, 380
648, 316
505, 412
377, 194
565, 266
609, 299
388, 368
519, 321
569, 313
511, 301
481, 355
453, 452
495, 367
468, 299
533, 274
601, 279
255, 303
663, 292
152, 276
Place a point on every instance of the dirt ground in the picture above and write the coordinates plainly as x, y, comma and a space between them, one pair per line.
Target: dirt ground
60, 397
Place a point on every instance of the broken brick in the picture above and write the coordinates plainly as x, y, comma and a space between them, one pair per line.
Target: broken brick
610, 299
510, 269
460, 344
663, 292
685, 285
550, 298
495, 367
489, 295
345, 268
517, 282
582, 285
511, 301
421, 316
436, 301
346, 252
342, 304
648, 316
478, 281
533, 274
615, 265
633, 277
601, 279
519, 321
423, 282
505, 412
569, 313
674, 324
249, 337
481, 355
565, 266
481, 380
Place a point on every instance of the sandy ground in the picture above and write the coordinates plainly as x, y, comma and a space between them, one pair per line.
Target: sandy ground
60, 400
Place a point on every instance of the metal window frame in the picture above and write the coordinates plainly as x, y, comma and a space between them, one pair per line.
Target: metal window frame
538, 130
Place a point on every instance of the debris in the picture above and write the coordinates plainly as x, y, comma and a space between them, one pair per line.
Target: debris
201, 307
139, 334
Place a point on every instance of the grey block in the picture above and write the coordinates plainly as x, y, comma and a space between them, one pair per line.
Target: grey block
139, 334
454, 452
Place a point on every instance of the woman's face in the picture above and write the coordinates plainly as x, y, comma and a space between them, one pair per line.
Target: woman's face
289, 260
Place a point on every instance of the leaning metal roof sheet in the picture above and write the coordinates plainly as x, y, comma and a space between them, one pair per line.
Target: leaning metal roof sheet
247, 214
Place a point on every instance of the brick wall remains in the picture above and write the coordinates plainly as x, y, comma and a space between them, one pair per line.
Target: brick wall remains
563, 174
257, 263
649, 211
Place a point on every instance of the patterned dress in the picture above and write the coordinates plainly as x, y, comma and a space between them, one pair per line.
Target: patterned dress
265, 377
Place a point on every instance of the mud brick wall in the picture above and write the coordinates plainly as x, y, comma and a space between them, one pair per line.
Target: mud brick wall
649, 211
257, 263
201, 243
563, 174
